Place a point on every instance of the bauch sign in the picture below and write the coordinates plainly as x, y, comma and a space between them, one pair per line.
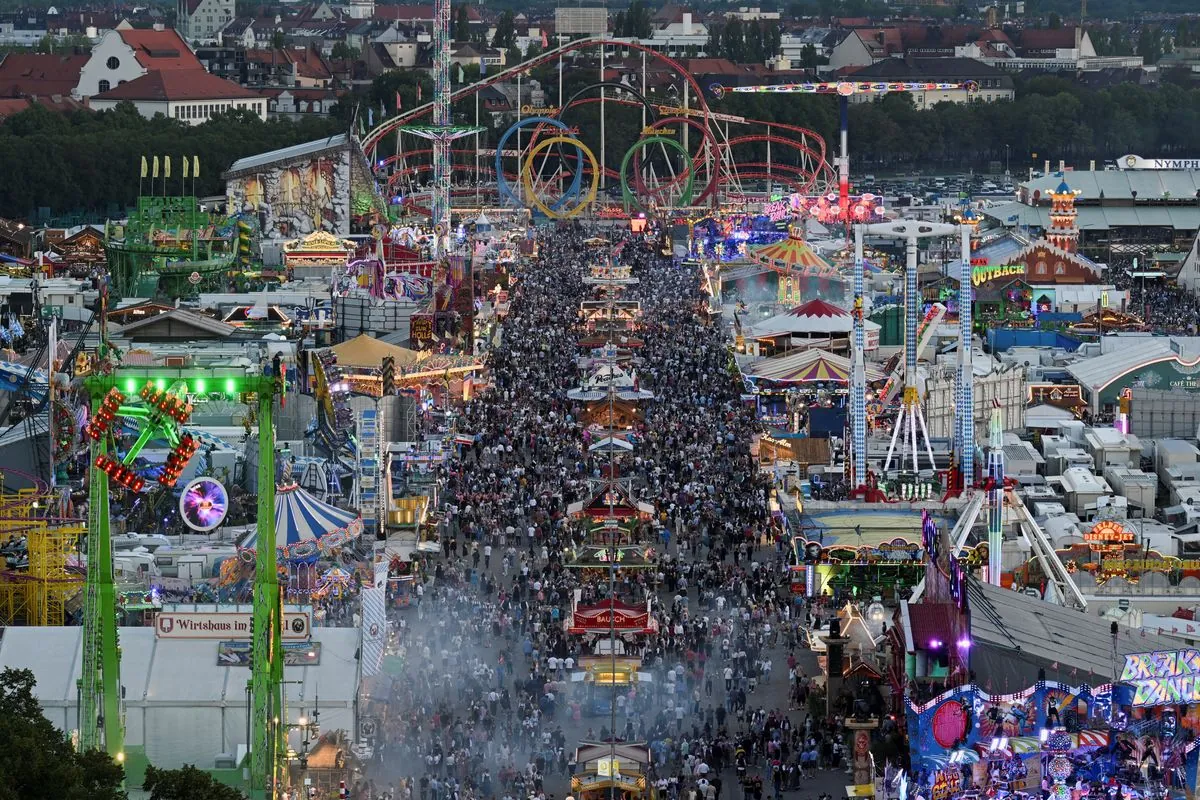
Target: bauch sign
223, 625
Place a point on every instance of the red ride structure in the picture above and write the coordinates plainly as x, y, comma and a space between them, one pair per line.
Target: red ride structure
715, 158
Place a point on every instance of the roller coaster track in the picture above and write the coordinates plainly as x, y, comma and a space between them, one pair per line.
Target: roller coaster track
822, 169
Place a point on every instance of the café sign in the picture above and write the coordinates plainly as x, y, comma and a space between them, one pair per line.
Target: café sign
1166, 677
982, 274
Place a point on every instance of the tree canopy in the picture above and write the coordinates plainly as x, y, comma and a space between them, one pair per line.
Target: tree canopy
187, 783
37, 761
87, 161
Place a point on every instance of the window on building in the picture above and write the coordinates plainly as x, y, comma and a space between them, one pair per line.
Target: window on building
113, 62
104, 86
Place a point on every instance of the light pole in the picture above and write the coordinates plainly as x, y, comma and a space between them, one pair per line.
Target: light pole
1006, 149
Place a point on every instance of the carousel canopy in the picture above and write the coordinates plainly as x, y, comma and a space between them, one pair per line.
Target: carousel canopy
807, 366
792, 255
304, 526
367, 351
813, 317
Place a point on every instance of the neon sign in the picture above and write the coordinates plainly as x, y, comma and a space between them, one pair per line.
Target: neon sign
1163, 678
983, 274
1107, 535
777, 210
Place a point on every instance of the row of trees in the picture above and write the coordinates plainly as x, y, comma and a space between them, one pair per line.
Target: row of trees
89, 161
85, 161
741, 42
37, 761
1051, 118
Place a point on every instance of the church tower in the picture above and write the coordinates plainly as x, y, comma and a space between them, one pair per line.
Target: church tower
1063, 232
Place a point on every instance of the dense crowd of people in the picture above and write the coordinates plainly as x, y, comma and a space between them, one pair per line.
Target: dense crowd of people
485, 705
1165, 306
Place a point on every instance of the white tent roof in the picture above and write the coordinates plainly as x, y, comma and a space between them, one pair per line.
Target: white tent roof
180, 705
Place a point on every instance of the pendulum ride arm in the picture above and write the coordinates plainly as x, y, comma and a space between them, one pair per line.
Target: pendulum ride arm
100, 722
268, 718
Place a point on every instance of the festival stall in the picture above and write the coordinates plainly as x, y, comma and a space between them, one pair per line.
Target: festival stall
804, 391
1132, 739
612, 771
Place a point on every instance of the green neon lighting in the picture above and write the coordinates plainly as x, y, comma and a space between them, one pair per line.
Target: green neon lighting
201, 385
161, 385
230, 386
130, 387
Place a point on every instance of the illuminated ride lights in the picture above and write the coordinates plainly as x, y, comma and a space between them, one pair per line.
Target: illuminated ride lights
101, 421
120, 474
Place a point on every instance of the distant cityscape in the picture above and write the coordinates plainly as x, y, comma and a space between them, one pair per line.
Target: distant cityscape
296, 60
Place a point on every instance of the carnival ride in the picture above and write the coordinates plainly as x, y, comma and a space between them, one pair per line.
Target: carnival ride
844, 90
165, 406
662, 169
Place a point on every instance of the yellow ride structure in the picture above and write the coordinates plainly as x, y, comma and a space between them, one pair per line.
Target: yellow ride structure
39, 594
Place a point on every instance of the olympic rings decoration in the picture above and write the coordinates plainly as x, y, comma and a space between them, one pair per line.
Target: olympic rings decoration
628, 195
527, 178
572, 192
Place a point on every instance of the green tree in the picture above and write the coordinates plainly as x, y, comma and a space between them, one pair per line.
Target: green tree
1055, 21
343, 51
278, 40
462, 25
808, 57
1150, 46
187, 783
637, 21
506, 32
714, 48
37, 761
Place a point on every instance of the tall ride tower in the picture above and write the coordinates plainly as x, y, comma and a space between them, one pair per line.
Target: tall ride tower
443, 131
995, 495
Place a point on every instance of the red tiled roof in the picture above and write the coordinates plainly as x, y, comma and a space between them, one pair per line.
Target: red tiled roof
160, 50
1047, 38
30, 74
995, 35
178, 85
10, 106
712, 66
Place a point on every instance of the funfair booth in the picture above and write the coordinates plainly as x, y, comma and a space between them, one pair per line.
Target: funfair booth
1133, 739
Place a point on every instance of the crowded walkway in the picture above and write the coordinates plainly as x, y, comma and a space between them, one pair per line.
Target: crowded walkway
485, 706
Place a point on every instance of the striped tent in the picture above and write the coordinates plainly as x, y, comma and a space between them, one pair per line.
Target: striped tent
793, 255
305, 527
807, 366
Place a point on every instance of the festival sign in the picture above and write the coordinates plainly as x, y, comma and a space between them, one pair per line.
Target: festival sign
1137, 162
223, 625
1107, 536
990, 272
1166, 677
